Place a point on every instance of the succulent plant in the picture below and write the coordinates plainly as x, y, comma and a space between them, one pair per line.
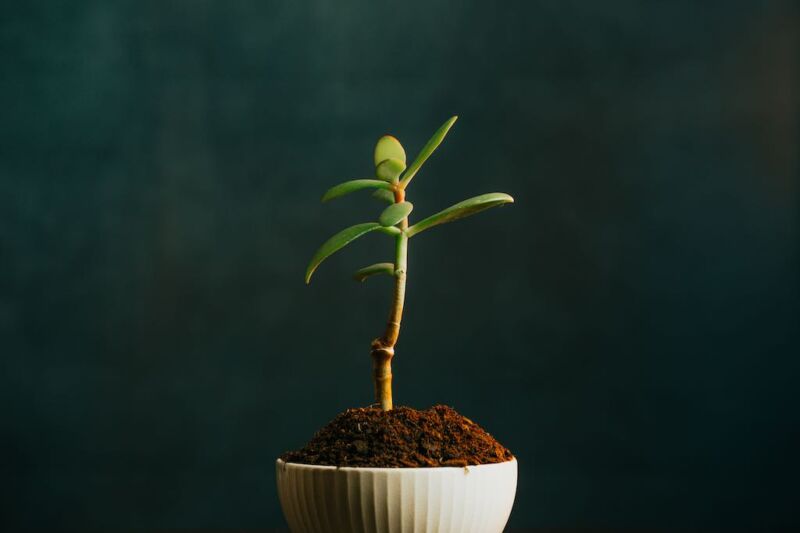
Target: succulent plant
391, 180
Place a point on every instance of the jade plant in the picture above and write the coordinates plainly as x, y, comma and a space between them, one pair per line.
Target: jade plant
391, 181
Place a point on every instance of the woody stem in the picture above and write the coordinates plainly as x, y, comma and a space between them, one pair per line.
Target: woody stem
383, 346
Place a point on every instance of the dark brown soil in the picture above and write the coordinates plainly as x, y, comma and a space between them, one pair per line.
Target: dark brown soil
402, 437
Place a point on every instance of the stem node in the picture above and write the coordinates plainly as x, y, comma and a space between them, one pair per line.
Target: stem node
382, 373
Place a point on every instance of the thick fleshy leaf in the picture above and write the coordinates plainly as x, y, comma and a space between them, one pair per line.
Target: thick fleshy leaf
461, 210
427, 150
390, 169
377, 268
388, 147
395, 213
337, 242
384, 195
353, 185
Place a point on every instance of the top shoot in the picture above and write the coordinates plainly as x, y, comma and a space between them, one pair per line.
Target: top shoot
392, 178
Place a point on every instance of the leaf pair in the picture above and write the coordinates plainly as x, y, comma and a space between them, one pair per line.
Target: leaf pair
390, 162
390, 157
394, 214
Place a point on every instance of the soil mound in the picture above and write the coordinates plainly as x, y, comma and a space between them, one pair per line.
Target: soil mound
402, 437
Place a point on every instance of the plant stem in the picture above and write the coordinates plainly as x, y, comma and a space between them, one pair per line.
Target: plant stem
383, 347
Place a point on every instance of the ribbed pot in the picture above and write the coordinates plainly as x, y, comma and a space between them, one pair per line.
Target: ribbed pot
323, 499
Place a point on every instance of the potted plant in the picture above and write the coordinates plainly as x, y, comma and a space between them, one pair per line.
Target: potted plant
395, 469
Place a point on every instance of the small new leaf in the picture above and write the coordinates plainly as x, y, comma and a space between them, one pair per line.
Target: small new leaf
390, 169
427, 150
388, 147
461, 210
384, 196
337, 242
395, 213
353, 185
377, 268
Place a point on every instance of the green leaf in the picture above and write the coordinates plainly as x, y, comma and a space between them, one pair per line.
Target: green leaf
427, 150
392, 231
388, 147
395, 213
377, 268
390, 169
337, 242
351, 186
384, 195
461, 210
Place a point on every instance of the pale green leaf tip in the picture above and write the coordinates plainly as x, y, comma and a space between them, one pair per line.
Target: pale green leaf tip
389, 147
450, 122
310, 272
327, 197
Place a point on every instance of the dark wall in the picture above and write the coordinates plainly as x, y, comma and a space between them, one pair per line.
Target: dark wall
628, 327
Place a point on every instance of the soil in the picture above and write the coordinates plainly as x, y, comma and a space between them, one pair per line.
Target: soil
402, 437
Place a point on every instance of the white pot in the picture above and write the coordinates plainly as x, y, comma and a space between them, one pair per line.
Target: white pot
322, 499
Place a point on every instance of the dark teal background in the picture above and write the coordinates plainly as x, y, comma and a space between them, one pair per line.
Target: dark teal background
629, 328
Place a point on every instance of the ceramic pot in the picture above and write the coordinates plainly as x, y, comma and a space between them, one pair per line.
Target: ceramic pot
323, 499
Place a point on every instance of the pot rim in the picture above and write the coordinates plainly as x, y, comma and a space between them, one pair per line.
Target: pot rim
283, 464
